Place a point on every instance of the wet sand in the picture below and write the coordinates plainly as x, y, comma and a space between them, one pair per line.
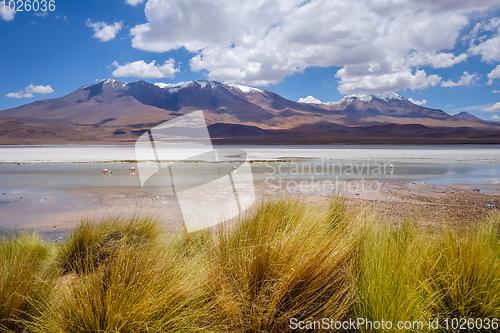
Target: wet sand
53, 198
393, 202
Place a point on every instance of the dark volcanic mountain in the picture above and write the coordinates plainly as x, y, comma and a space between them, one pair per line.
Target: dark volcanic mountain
115, 112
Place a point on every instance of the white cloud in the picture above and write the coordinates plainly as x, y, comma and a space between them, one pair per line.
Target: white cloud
357, 81
134, 2
466, 80
496, 91
435, 60
19, 94
104, 32
141, 69
481, 28
494, 74
422, 102
5, 13
311, 100
30, 90
494, 108
39, 89
495, 117
260, 43
41, 14
488, 48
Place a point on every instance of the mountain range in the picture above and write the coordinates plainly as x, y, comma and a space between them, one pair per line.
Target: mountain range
113, 112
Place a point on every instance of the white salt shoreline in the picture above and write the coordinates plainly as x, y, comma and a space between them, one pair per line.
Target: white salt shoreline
426, 154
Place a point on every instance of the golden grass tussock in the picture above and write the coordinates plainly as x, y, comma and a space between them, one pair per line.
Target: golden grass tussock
391, 280
466, 273
26, 278
95, 242
121, 276
416, 274
285, 260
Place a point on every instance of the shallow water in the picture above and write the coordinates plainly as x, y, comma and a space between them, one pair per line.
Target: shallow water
46, 184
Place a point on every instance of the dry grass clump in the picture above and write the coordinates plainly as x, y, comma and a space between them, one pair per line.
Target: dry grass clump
25, 278
124, 278
410, 273
284, 261
143, 289
466, 273
95, 242
391, 275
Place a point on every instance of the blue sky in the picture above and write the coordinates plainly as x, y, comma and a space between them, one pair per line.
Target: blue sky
440, 53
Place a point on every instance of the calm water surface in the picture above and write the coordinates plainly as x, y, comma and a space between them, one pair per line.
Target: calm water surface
48, 174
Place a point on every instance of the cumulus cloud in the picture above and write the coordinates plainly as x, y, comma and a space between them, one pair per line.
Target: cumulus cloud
486, 46
359, 81
5, 13
141, 69
134, 2
466, 80
104, 32
422, 102
494, 108
435, 60
495, 117
39, 89
489, 49
19, 94
311, 100
260, 43
494, 74
30, 90
496, 91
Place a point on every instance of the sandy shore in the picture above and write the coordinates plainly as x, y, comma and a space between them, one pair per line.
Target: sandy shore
430, 203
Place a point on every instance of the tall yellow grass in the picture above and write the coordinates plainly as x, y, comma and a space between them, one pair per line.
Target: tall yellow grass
26, 276
286, 259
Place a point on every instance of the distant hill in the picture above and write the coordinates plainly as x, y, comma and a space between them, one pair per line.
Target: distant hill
113, 112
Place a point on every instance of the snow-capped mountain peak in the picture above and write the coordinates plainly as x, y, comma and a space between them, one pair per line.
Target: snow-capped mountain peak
244, 89
113, 83
161, 85
361, 98
386, 96
110, 83
175, 87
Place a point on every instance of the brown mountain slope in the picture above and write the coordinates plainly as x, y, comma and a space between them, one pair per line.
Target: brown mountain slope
115, 112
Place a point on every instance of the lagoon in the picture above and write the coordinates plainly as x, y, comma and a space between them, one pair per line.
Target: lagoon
56, 184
